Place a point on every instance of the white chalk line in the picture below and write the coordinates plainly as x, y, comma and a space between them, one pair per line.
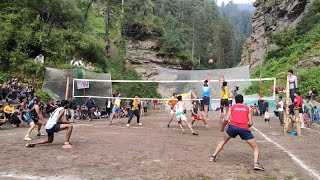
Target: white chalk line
295, 158
26, 176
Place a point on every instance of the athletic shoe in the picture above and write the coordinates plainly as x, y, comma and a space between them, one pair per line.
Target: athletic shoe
257, 166
29, 145
183, 131
128, 125
39, 134
139, 124
194, 133
27, 138
168, 125
212, 159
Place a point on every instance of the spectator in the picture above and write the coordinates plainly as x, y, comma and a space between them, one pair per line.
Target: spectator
280, 111
315, 113
145, 107
260, 105
72, 107
109, 106
104, 113
90, 104
39, 59
312, 93
13, 96
9, 110
97, 114
265, 106
293, 84
3, 118
309, 110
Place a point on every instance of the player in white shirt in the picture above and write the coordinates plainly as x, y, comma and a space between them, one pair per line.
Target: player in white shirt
179, 109
56, 123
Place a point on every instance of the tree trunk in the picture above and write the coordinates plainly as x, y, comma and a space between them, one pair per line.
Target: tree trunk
107, 26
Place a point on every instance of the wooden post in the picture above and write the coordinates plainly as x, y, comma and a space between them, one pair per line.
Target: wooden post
67, 88
287, 119
298, 121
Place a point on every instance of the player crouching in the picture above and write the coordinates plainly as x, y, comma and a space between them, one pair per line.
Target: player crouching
239, 124
56, 124
179, 109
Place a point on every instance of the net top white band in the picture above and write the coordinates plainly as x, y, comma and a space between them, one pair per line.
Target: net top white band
173, 81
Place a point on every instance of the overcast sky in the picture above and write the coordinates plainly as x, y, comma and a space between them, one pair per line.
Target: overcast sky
235, 1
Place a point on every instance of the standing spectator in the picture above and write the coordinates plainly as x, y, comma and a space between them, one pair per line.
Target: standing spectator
260, 105
280, 111
145, 107
40, 59
309, 110
128, 106
109, 107
72, 107
90, 104
293, 84
265, 106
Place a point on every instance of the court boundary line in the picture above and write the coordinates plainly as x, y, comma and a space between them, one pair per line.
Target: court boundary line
295, 158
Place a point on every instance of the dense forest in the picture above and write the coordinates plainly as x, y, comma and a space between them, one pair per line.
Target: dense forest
97, 31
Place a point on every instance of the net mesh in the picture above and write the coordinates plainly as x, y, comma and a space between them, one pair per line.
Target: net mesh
55, 84
167, 89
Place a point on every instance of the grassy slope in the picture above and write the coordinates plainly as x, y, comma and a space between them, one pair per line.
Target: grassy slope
294, 55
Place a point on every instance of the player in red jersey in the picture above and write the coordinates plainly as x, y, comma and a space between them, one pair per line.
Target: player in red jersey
239, 124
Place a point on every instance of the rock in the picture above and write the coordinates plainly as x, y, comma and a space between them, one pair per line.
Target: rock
144, 57
270, 17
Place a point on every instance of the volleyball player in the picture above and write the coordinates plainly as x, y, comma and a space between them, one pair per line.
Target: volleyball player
206, 95
224, 92
116, 108
240, 121
55, 124
196, 114
34, 117
172, 102
179, 110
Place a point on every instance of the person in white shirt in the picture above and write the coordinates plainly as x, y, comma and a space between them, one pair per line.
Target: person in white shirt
293, 84
280, 111
179, 110
56, 123
40, 58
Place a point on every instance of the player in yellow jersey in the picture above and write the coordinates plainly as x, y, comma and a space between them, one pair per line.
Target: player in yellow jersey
224, 93
172, 102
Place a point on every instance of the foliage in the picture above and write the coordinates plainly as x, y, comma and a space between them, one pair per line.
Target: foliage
43, 95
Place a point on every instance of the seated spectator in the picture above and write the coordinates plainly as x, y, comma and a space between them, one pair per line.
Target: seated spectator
9, 110
3, 118
16, 119
97, 114
104, 113
39, 59
255, 110
83, 112
13, 96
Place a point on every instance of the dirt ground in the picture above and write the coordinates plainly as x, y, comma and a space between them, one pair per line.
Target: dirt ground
153, 151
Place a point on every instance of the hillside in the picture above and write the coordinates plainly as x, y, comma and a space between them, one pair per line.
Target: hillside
186, 33
290, 39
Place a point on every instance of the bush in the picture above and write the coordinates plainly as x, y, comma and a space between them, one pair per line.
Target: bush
43, 95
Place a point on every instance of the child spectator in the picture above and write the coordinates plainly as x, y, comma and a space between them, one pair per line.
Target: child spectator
97, 114
266, 116
315, 114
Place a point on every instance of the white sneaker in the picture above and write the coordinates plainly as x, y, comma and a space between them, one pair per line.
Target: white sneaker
128, 125
139, 124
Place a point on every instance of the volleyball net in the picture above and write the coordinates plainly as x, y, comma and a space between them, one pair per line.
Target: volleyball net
191, 89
